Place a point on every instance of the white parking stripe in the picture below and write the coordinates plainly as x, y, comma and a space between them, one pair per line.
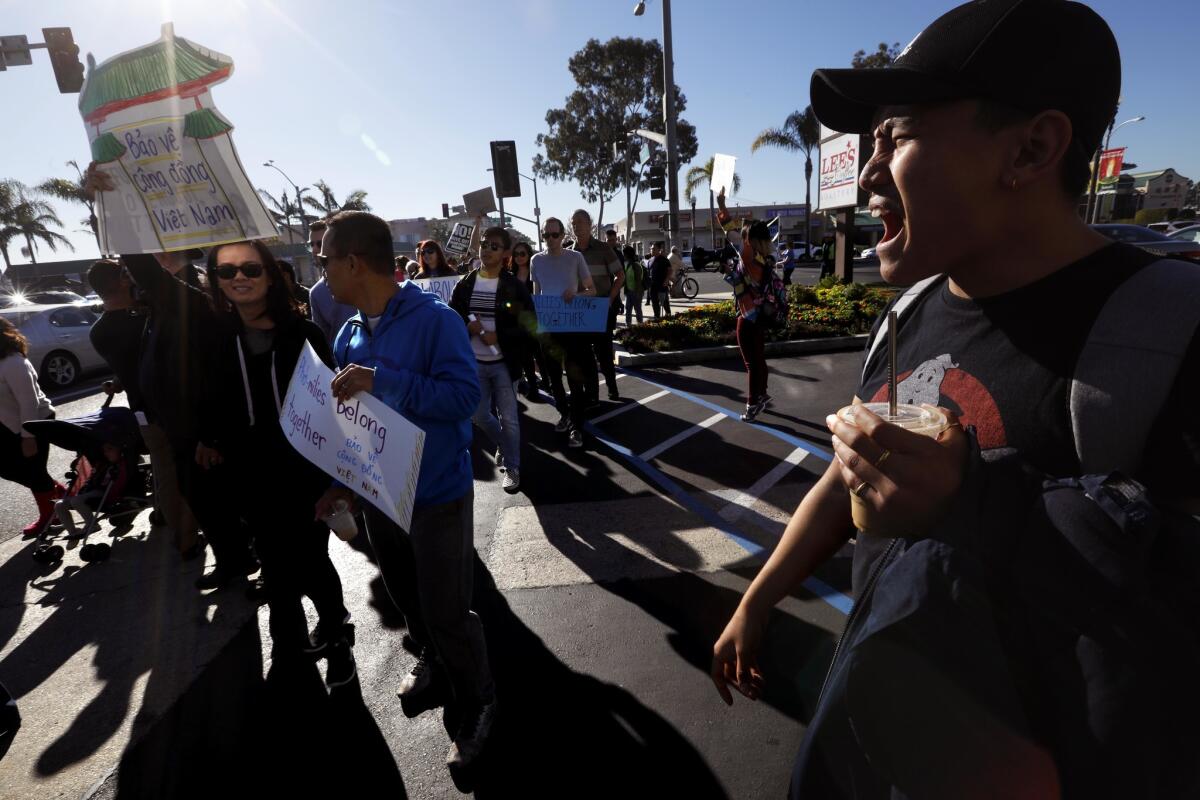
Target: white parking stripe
679, 437
628, 406
748, 498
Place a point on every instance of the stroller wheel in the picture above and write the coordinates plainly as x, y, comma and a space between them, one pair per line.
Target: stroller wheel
48, 554
95, 552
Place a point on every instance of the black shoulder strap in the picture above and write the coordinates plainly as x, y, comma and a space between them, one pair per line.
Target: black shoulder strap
1129, 363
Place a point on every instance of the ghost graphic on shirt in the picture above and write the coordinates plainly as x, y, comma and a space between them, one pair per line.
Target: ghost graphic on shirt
942, 382
924, 385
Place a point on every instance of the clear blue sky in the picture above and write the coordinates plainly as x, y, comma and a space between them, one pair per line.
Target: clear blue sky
401, 98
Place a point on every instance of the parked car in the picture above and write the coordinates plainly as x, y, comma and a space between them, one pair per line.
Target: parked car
1171, 227
59, 345
868, 252
50, 297
1188, 234
1150, 240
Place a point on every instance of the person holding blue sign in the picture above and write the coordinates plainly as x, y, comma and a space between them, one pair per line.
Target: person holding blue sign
558, 271
410, 350
498, 311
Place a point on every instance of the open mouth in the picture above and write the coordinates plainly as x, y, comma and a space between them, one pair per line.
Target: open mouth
893, 226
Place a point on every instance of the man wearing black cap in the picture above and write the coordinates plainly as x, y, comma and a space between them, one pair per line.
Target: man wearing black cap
983, 130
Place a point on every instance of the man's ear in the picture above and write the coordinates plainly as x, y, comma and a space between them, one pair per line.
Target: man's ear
1042, 145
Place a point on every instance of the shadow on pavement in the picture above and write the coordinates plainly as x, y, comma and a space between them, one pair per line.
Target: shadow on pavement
560, 733
232, 734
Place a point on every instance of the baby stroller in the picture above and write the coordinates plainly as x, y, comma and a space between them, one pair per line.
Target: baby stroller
86, 437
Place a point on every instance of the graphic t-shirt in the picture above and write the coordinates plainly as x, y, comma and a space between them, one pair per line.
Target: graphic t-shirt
1004, 364
483, 306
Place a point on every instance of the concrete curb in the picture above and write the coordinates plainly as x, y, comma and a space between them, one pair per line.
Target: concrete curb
697, 355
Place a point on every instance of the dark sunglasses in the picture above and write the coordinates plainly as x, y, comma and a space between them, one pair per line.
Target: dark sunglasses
550, 235
524, 253
227, 272
428, 251
493, 246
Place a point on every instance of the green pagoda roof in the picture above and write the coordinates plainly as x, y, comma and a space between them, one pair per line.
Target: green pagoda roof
170, 66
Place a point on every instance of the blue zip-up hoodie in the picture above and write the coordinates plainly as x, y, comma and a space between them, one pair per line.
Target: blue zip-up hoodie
424, 369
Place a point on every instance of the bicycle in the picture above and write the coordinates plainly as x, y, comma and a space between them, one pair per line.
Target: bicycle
689, 287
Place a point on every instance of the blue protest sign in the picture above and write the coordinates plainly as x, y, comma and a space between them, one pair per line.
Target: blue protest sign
581, 315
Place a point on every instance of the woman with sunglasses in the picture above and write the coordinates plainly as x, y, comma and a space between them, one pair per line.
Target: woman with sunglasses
273, 487
431, 261
522, 253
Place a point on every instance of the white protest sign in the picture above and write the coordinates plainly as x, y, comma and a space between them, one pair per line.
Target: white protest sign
481, 201
722, 173
442, 287
460, 238
178, 182
363, 443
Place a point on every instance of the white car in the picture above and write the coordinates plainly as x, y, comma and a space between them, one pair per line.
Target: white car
59, 344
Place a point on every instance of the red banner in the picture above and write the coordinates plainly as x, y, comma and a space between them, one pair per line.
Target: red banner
1110, 165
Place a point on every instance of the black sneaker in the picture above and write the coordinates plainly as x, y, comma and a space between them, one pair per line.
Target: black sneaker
755, 408
575, 438
340, 668
613, 394
419, 678
256, 590
218, 579
563, 424
472, 736
323, 636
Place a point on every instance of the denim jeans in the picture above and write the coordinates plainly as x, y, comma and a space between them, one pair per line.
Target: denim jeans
496, 384
633, 305
429, 574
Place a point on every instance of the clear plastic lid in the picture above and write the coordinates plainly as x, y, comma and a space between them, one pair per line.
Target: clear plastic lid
919, 419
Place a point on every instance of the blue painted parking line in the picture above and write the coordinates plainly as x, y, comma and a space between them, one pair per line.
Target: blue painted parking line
824, 455
827, 593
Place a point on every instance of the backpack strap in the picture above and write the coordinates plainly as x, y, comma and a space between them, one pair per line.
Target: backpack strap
1128, 365
901, 306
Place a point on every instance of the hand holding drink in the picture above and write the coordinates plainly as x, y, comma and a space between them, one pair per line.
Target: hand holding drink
902, 469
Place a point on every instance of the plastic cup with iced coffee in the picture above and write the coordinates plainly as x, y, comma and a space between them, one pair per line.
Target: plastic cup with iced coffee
924, 420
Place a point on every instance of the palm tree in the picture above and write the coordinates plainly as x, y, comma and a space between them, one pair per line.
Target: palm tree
700, 175
29, 220
72, 191
11, 194
801, 132
328, 203
282, 209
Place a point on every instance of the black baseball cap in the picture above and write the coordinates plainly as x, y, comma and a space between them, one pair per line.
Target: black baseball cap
1033, 55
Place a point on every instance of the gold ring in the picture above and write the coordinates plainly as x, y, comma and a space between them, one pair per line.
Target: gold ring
882, 458
859, 490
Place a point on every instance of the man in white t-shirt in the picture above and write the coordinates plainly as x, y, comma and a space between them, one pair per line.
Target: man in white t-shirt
564, 272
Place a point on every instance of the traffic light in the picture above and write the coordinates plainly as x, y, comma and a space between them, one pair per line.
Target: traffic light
504, 168
656, 176
64, 57
445, 210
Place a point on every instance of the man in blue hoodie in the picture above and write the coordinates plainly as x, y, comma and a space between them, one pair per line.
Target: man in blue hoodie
410, 350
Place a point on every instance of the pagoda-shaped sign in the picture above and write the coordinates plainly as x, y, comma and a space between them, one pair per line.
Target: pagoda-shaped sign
153, 128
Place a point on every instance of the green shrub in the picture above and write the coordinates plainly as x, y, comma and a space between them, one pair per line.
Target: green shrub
1146, 216
836, 309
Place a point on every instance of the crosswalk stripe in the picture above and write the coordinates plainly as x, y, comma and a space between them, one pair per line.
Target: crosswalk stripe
748, 498
629, 406
679, 437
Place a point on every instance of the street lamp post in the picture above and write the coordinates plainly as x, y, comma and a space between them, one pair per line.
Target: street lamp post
299, 201
1093, 206
668, 118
